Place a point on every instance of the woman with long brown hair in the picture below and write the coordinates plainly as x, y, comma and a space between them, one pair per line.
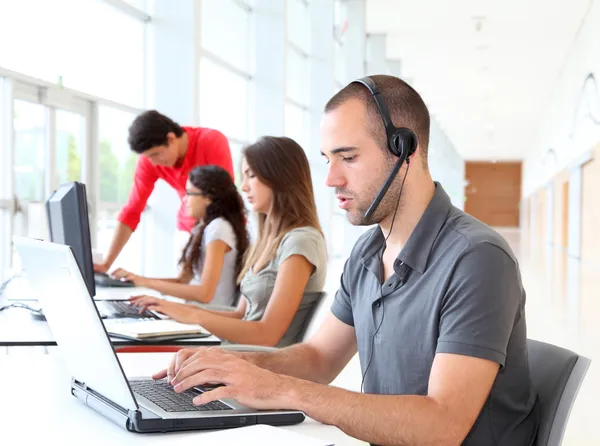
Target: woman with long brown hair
284, 271
213, 256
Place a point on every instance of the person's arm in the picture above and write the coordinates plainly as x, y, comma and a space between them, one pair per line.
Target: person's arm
292, 277
321, 359
202, 292
140, 281
143, 185
458, 388
184, 313
120, 238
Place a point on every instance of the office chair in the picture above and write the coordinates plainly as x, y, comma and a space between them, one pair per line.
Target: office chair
557, 374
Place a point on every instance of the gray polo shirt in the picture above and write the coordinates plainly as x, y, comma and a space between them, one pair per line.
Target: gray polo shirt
456, 288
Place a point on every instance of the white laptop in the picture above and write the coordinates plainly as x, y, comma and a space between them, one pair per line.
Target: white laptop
97, 378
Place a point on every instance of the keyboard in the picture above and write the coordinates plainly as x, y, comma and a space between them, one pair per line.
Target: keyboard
122, 308
105, 280
163, 395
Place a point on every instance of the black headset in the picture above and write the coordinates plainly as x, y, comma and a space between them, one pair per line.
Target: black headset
401, 141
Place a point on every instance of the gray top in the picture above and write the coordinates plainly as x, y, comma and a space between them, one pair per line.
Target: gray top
257, 288
456, 288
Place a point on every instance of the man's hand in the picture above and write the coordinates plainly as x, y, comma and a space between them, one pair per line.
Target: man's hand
243, 381
179, 312
138, 281
178, 359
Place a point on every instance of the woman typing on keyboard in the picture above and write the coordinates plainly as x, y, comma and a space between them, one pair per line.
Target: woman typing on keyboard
284, 271
213, 256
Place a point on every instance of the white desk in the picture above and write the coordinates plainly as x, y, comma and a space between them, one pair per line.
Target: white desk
36, 407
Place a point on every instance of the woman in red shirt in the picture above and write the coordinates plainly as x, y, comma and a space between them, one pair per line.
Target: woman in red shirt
169, 152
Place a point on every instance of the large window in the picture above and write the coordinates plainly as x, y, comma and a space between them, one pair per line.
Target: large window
297, 75
226, 70
86, 45
339, 28
30, 154
116, 165
70, 141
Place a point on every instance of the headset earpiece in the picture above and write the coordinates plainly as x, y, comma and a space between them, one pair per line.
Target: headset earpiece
403, 139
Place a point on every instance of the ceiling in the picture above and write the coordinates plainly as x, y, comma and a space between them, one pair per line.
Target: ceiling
485, 68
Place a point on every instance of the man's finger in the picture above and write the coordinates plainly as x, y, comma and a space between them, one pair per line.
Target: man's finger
201, 378
203, 363
160, 375
219, 393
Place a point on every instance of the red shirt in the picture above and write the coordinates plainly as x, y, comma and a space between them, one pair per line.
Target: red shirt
205, 146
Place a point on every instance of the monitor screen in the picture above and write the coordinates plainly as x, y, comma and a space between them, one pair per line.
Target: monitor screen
69, 224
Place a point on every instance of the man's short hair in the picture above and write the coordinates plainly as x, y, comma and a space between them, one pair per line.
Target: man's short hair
150, 129
406, 106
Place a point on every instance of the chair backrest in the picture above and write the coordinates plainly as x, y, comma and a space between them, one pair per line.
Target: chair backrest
557, 374
314, 318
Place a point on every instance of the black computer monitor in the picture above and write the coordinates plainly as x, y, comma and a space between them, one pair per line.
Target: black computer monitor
69, 224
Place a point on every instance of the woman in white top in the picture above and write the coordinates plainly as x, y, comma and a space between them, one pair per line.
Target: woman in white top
212, 258
284, 271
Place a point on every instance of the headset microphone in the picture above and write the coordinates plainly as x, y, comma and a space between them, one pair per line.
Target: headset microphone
384, 189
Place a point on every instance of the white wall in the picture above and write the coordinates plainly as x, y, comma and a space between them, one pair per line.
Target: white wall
571, 125
446, 165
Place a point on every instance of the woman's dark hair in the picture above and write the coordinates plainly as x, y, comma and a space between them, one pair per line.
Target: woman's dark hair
226, 202
150, 129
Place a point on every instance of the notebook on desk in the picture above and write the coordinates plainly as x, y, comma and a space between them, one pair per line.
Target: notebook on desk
97, 378
154, 330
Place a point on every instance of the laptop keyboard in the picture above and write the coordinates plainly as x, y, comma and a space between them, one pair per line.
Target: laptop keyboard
119, 308
163, 395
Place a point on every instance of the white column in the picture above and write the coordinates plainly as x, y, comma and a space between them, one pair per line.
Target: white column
355, 39
173, 83
269, 74
322, 85
355, 61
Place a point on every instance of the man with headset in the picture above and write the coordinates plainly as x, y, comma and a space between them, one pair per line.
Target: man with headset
431, 298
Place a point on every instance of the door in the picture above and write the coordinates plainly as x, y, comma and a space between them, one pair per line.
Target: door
493, 192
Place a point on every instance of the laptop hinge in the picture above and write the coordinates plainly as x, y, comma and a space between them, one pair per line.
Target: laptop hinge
104, 406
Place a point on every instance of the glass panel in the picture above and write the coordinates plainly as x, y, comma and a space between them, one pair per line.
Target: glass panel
225, 28
116, 160
5, 185
295, 125
296, 86
70, 143
298, 24
29, 154
132, 255
116, 169
236, 156
71, 46
228, 112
